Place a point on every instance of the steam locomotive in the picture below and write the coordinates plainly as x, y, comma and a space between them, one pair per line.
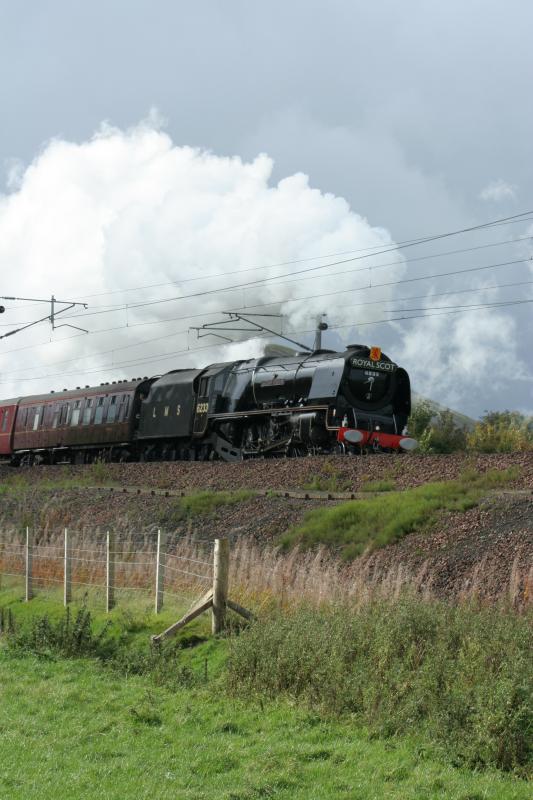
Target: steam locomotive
303, 403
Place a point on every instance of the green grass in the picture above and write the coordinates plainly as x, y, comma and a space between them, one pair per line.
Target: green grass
206, 502
20, 484
364, 525
131, 623
70, 728
384, 485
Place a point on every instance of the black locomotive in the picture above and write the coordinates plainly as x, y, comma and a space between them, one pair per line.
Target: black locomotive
314, 402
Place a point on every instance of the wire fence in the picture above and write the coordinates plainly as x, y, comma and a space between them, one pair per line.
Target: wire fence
105, 567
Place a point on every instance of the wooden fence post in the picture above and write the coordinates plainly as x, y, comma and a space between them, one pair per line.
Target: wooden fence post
67, 570
29, 565
110, 570
220, 584
160, 570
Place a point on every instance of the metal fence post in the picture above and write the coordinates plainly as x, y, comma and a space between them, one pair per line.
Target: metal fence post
220, 584
110, 570
160, 570
29, 565
67, 570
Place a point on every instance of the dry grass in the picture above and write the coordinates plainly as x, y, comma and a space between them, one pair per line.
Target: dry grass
260, 577
188, 562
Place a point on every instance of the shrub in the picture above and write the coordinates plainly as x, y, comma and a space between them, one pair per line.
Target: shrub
329, 480
463, 675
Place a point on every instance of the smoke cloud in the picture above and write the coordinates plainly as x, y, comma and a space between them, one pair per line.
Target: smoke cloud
129, 218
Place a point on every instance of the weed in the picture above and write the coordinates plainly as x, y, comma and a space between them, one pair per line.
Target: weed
75, 636
68, 637
330, 480
100, 472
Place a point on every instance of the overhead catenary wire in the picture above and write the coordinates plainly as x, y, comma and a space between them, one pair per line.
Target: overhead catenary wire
122, 307
523, 216
249, 307
271, 281
165, 356
322, 294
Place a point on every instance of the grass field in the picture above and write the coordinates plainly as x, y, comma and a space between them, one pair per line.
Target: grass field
79, 729
72, 729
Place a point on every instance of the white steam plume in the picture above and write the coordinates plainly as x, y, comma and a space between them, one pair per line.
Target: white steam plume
130, 209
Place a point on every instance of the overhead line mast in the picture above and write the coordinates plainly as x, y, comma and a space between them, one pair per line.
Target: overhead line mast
54, 313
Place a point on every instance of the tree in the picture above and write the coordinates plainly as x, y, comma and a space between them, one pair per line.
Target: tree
436, 429
502, 432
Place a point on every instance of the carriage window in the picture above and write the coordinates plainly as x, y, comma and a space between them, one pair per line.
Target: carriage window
122, 412
87, 411
125, 406
99, 411
167, 411
5, 421
112, 409
55, 418
37, 418
64, 414
76, 411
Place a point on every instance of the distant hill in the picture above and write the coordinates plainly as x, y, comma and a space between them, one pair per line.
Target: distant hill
460, 419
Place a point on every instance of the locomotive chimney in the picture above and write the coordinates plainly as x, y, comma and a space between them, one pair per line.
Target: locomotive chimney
320, 326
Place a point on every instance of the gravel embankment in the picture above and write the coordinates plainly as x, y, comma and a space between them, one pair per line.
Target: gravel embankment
348, 473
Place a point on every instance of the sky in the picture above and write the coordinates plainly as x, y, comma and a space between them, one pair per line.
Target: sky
154, 151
